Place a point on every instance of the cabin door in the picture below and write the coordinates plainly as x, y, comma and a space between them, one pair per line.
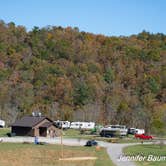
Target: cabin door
43, 131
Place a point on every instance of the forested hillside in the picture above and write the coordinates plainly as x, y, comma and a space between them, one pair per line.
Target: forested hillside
73, 75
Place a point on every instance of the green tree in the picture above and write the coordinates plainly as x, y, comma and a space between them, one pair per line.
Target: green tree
81, 94
109, 76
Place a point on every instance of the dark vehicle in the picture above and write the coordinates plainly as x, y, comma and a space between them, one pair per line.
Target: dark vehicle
91, 143
113, 131
106, 133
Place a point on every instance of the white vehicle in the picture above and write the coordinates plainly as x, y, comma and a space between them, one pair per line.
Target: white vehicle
75, 125
87, 125
112, 129
139, 131
2, 123
62, 124
82, 125
131, 131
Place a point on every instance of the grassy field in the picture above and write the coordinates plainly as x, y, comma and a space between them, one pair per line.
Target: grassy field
4, 131
71, 133
15, 154
146, 150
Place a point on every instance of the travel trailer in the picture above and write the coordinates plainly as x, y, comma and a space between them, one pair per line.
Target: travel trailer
82, 125
2, 123
75, 125
113, 130
136, 131
62, 124
131, 131
139, 131
87, 125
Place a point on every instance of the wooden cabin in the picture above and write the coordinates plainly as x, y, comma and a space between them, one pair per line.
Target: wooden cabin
35, 126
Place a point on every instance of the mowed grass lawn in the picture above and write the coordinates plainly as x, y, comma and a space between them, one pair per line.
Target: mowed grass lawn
146, 150
17, 154
4, 131
71, 133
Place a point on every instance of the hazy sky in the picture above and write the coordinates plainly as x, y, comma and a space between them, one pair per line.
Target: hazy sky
109, 17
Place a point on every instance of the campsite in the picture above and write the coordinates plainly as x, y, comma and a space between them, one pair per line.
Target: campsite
82, 83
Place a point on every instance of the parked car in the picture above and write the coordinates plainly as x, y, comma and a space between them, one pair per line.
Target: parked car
107, 133
91, 143
143, 136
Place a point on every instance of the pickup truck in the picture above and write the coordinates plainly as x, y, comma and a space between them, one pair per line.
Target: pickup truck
143, 136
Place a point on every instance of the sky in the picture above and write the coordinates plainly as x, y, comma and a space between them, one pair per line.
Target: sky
108, 17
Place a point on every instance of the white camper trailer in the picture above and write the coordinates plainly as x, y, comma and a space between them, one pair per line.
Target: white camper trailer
139, 131
87, 125
75, 125
62, 124
82, 125
2, 123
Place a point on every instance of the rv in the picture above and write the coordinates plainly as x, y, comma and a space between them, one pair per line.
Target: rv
87, 125
113, 130
139, 131
82, 125
2, 123
136, 131
62, 124
131, 131
75, 125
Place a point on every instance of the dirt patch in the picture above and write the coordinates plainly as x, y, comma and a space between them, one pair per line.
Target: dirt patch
78, 158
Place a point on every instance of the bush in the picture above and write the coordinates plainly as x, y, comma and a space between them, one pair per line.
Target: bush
11, 134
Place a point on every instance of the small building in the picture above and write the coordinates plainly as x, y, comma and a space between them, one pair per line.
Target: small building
35, 126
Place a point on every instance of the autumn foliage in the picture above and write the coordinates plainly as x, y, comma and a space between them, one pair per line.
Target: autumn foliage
73, 75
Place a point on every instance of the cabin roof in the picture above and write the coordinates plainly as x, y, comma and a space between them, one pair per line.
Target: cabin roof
30, 121
46, 124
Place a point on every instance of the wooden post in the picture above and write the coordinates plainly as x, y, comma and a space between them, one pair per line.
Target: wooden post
62, 143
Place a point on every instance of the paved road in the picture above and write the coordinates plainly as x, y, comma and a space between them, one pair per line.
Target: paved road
114, 150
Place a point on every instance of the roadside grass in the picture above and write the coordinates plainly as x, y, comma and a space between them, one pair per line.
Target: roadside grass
17, 154
71, 133
147, 150
103, 158
4, 131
